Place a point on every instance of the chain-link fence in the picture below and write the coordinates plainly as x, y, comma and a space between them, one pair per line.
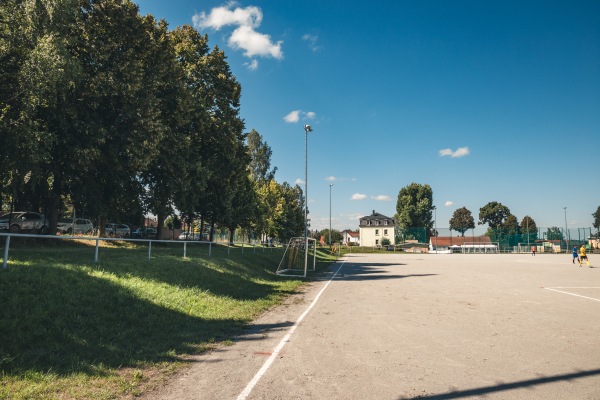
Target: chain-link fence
553, 239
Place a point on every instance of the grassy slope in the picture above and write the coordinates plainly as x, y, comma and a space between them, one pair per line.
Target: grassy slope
74, 329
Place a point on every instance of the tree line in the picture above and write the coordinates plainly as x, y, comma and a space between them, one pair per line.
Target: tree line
112, 113
414, 208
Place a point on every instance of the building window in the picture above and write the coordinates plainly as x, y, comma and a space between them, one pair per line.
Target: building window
377, 232
385, 232
377, 242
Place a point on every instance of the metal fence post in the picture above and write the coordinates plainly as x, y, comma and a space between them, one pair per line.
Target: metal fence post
6, 244
96, 253
209, 248
227, 248
242, 248
149, 248
184, 249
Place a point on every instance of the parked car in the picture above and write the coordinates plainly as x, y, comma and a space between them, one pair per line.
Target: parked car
144, 233
189, 236
118, 230
22, 221
78, 225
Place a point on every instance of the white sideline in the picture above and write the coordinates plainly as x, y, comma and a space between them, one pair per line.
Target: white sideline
555, 289
246, 392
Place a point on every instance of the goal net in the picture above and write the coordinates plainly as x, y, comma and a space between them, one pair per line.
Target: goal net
528, 248
298, 256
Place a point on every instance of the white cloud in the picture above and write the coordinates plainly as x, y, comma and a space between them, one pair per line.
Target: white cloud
299, 181
296, 115
359, 196
254, 43
293, 116
331, 178
312, 42
460, 152
245, 36
252, 65
382, 197
449, 203
223, 16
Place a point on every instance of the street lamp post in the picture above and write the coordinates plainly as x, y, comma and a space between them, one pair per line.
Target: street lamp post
435, 227
330, 186
307, 128
566, 230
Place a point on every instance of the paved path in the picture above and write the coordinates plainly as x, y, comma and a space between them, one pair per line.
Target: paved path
399, 326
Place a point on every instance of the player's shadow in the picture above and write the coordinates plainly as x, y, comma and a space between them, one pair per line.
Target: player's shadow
501, 386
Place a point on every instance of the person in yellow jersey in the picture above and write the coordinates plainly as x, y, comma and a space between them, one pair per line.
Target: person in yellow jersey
583, 256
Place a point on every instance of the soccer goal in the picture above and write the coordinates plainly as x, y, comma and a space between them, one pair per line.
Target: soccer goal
296, 258
526, 248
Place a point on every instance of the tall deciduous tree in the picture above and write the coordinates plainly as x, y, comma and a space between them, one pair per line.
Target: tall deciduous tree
15, 139
285, 205
260, 157
596, 216
493, 214
221, 95
528, 227
161, 177
511, 225
462, 220
191, 49
415, 206
121, 109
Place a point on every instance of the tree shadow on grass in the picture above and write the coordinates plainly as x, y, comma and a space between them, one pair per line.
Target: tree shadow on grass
64, 321
238, 278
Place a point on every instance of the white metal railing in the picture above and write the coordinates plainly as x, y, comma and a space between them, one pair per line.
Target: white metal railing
107, 239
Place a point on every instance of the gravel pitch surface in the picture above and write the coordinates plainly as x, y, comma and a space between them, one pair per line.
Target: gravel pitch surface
430, 326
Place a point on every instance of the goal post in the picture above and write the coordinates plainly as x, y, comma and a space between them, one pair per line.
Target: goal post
297, 257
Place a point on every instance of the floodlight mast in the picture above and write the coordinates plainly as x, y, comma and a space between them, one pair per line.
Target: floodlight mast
307, 128
330, 186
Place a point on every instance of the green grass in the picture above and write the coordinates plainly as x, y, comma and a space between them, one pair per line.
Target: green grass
73, 329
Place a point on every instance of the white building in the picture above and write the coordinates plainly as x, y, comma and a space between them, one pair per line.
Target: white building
374, 228
351, 237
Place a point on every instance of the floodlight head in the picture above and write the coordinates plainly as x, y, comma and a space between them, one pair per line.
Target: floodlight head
307, 128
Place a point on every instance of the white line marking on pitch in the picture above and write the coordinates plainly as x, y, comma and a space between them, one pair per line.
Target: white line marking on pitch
555, 289
246, 392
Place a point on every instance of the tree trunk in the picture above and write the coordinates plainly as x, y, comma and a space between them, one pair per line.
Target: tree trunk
101, 225
160, 223
231, 233
53, 213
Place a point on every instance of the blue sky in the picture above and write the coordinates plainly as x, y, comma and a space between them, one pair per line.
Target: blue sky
482, 100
